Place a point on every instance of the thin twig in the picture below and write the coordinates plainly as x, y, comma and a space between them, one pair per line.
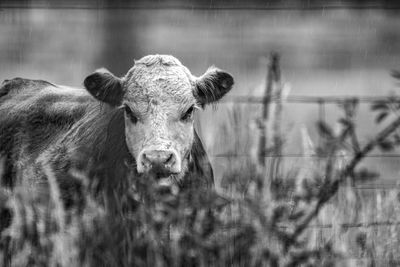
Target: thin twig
266, 110
277, 120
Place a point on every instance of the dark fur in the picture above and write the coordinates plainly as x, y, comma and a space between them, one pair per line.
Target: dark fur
105, 87
90, 138
213, 85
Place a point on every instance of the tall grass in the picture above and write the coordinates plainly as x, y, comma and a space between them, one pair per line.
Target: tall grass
260, 214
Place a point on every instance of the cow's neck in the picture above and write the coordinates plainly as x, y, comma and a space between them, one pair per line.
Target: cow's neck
200, 171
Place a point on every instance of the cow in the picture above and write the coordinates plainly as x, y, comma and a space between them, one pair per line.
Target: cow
142, 123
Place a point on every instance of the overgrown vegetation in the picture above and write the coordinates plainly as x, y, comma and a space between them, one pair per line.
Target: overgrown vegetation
262, 214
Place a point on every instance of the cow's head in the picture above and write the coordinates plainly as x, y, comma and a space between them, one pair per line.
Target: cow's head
159, 96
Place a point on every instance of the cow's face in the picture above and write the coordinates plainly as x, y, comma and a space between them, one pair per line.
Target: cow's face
159, 96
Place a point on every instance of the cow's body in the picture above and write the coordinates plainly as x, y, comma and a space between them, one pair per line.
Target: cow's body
42, 123
61, 129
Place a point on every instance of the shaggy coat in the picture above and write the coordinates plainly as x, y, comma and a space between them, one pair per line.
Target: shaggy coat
46, 129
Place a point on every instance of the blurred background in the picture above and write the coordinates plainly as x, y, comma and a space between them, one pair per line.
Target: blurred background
327, 48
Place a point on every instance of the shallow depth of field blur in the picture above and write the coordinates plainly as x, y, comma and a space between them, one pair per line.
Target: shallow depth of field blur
324, 52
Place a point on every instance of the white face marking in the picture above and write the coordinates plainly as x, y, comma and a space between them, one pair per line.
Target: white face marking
159, 102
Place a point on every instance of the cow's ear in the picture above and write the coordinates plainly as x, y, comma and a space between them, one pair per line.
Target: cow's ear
104, 86
213, 85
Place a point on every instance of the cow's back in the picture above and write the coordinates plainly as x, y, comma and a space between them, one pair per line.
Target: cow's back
33, 114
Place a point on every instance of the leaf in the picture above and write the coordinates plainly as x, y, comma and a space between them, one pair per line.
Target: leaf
379, 105
296, 215
396, 139
279, 212
386, 145
325, 130
396, 74
381, 117
345, 122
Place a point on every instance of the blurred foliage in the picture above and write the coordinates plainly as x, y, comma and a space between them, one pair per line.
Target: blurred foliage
158, 225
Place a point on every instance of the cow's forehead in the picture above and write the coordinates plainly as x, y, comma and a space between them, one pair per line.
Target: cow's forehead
161, 78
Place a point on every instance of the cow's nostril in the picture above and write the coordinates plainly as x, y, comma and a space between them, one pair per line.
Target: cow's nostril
170, 159
159, 161
158, 157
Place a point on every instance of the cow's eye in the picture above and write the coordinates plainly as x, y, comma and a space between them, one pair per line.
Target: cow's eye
188, 114
130, 114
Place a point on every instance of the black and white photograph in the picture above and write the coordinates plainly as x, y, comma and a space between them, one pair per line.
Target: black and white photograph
197, 133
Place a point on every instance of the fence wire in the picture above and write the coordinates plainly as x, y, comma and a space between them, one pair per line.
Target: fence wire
297, 99
321, 101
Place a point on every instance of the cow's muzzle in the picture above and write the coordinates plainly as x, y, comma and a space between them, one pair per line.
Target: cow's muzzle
159, 162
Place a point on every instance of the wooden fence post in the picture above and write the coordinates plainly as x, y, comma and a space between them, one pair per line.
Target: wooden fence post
270, 131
